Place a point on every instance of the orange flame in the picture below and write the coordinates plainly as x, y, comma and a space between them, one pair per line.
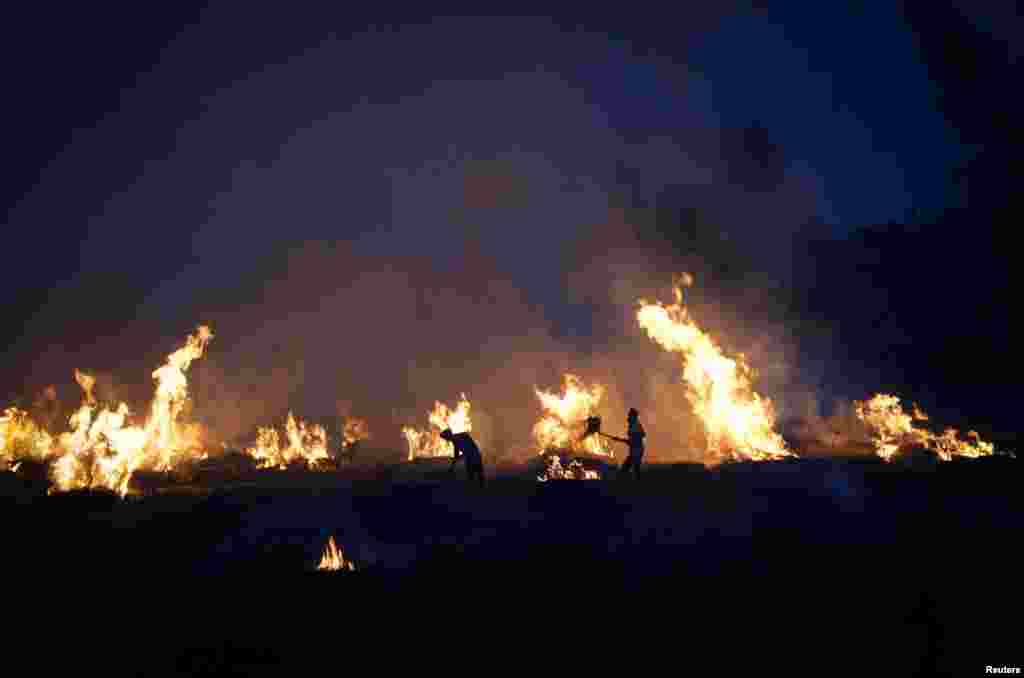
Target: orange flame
170, 440
574, 471
22, 438
892, 429
738, 422
429, 443
305, 443
100, 451
354, 431
86, 382
564, 419
333, 559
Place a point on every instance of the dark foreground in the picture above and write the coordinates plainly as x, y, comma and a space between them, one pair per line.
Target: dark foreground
815, 566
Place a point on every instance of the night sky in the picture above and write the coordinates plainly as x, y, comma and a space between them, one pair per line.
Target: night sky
255, 166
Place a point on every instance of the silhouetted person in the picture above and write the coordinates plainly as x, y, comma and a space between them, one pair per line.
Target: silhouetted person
465, 447
635, 440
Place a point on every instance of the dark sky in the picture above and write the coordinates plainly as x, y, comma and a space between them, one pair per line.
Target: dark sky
164, 165
845, 93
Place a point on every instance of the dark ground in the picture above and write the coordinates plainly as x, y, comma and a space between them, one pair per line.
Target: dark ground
816, 566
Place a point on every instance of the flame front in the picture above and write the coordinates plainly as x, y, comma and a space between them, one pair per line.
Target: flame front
564, 419
306, 444
892, 429
100, 451
333, 560
739, 424
428, 442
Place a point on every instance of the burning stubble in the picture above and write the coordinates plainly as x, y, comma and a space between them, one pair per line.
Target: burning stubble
739, 423
562, 426
893, 430
428, 442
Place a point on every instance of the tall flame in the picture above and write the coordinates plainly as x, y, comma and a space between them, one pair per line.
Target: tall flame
428, 442
165, 435
738, 422
86, 382
892, 429
100, 451
564, 419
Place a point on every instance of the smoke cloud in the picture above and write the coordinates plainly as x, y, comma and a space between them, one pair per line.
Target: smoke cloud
366, 241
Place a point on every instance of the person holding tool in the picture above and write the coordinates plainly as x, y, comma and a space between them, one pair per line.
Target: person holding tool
635, 440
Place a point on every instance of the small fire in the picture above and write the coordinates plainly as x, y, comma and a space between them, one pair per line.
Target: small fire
739, 424
354, 431
893, 429
564, 420
573, 471
305, 443
429, 443
333, 560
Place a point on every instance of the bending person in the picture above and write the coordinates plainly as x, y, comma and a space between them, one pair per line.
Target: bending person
466, 447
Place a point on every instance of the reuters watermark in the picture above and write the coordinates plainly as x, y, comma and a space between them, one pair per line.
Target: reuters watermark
1015, 670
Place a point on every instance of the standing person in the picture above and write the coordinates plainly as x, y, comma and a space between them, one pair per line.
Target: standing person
635, 440
466, 447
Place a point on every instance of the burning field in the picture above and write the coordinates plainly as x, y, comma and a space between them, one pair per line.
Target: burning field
102, 450
393, 524
320, 326
105, 444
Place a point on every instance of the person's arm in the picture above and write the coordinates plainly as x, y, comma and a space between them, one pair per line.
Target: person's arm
616, 438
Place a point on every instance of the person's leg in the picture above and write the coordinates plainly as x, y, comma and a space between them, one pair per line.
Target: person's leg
626, 466
637, 462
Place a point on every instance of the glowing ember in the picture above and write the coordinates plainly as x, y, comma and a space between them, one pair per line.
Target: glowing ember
573, 471
333, 560
565, 415
428, 443
306, 444
738, 423
892, 429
